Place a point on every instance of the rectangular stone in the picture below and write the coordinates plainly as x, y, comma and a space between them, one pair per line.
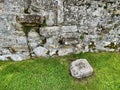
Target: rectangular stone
69, 28
70, 35
50, 31
65, 51
51, 18
1, 7
14, 6
29, 20
71, 41
60, 11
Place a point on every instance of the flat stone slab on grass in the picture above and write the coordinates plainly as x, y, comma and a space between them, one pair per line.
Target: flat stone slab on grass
80, 68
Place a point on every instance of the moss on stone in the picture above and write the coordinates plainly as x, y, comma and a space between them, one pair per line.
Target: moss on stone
106, 6
116, 25
44, 23
92, 45
26, 29
112, 45
81, 37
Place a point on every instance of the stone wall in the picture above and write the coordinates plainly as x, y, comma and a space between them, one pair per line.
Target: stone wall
35, 28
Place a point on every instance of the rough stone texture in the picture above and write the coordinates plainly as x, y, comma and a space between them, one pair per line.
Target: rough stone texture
65, 51
84, 25
30, 20
52, 52
11, 39
68, 29
81, 68
52, 43
50, 31
14, 57
34, 40
1, 6
40, 51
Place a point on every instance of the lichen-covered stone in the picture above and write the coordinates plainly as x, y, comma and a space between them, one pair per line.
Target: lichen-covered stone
52, 43
65, 51
1, 7
14, 57
50, 31
52, 52
40, 51
34, 39
83, 25
68, 29
80, 68
30, 20
51, 18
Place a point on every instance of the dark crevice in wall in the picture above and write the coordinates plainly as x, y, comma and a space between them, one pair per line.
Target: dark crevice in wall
26, 30
27, 6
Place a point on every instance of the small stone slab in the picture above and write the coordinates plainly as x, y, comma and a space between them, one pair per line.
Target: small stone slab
30, 20
80, 68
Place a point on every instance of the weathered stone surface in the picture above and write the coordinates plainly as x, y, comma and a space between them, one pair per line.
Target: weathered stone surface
65, 51
1, 7
40, 51
71, 41
70, 38
14, 57
51, 18
81, 68
14, 6
30, 20
60, 11
34, 39
79, 48
17, 57
52, 52
12, 41
50, 31
52, 43
73, 35
4, 51
85, 25
69, 29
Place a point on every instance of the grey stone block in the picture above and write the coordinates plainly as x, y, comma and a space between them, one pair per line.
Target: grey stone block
80, 68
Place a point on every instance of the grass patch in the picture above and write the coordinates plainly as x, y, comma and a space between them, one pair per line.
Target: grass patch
53, 73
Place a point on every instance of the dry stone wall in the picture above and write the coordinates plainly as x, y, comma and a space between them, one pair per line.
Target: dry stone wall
35, 28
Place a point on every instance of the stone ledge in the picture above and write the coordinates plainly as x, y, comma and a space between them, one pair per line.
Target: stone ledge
30, 20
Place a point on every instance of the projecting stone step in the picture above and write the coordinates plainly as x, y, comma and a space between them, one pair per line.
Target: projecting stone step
30, 20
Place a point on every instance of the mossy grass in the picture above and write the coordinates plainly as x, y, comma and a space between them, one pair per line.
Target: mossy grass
53, 73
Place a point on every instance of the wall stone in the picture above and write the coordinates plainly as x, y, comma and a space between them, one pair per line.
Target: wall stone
1, 6
34, 28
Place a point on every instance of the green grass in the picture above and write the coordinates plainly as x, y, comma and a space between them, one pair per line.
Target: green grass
53, 73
